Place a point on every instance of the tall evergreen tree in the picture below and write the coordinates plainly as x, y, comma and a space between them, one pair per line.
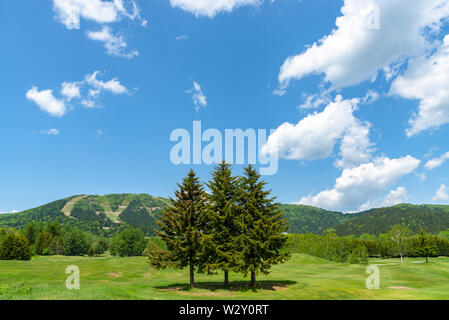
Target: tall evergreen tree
222, 230
262, 241
181, 228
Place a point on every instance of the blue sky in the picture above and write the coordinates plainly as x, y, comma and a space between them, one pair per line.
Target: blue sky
361, 109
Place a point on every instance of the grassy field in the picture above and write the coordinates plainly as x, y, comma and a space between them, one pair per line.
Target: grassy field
303, 277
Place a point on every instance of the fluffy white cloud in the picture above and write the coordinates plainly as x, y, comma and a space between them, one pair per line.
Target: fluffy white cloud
315, 136
358, 185
114, 86
441, 194
198, 97
70, 90
50, 132
73, 90
394, 197
426, 80
115, 45
46, 101
436, 162
370, 35
210, 8
69, 12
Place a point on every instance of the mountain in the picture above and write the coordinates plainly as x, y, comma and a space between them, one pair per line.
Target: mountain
108, 213
432, 218
93, 213
307, 219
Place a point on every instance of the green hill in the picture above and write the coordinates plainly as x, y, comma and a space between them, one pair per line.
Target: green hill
306, 219
93, 213
108, 213
432, 218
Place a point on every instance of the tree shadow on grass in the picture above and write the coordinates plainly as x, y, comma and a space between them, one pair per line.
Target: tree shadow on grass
236, 286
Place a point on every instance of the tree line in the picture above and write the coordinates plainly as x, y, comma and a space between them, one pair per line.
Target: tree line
398, 242
236, 227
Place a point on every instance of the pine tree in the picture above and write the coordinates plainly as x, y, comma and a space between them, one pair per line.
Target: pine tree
221, 251
262, 241
181, 228
426, 248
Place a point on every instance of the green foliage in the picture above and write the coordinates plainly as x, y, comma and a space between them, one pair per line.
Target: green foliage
432, 219
75, 242
137, 214
425, 246
329, 246
15, 246
181, 227
306, 219
222, 231
261, 227
359, 255
130, 242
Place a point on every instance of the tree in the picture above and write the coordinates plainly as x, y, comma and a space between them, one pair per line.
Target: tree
181, 228
399, 238
359, 255
75, 242
15, 247
128, 243
262, 240
425, 247
222, 230
43, 243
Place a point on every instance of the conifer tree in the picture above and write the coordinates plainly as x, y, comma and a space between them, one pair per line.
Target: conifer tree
181, 228
426, 248
262, 241
221, 251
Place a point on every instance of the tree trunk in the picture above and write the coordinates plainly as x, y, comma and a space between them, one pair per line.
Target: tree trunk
402, 260
253, 279
226, 278
192, 277
427, 259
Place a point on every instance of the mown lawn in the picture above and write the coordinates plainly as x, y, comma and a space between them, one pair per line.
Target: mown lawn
303, 277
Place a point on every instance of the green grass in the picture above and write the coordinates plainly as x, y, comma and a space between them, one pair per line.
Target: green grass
303, 277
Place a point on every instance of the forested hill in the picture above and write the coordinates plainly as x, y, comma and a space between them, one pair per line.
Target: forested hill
93, 213
307, 219
109, 213
432, 218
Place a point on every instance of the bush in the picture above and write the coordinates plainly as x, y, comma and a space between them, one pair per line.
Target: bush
15, 247
359, 255
128, 243
75, 243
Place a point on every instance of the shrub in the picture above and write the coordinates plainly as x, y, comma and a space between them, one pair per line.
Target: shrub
15, 247
128, 243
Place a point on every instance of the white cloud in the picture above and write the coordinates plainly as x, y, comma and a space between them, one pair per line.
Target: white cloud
369, 36
114, 86
436, 162
115, 45
183, 37
441, 194
70, 90
50, 132
46, 101
69, 12
198, 97
315, 136
73, 90
210, 8
12, 211
426, 80
358, 185
394, 197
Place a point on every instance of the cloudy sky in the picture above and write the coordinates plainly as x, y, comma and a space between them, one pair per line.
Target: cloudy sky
356, 90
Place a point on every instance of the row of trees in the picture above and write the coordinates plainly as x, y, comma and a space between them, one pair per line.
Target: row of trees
237, 227
397, 242
54, 239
